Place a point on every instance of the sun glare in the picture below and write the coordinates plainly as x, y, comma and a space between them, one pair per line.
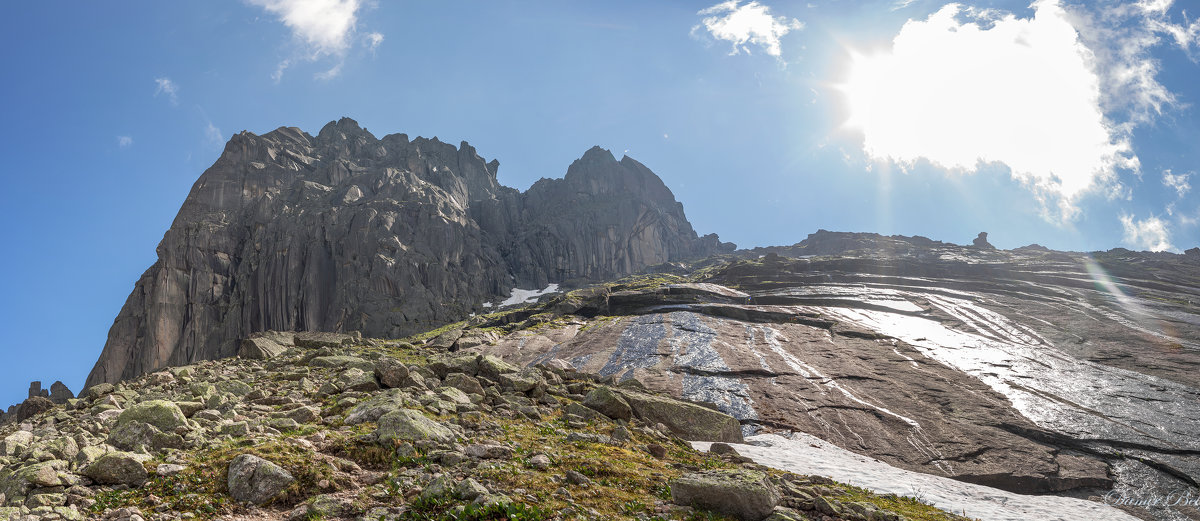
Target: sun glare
1021, 92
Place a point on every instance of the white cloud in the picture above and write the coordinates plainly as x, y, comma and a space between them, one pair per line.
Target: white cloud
329, 74
324, 25
745, 25
1147, 234
1121, 35
213, 134
373, 41
326, 28
1177, 182
278, 74
1157, 19
1021, 92
124, 141
166, 86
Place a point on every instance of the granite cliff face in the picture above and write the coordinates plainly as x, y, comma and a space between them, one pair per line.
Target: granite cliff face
345, 231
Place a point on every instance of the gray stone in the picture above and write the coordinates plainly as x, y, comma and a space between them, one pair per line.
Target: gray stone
686, 420
234, 387
16, 443
304, 414
445, 340
97, 390
342, 362
256, 480
355, 379
745, 494
163, 414
390, 372
410, 425
319, 339
31, 407
469, 489
377, 406
491, 367
117, 468
138, 436
488, 451
463, 382
442, 486
169, 469
540, 461
603, 400
59, 393
260, 348
453, 395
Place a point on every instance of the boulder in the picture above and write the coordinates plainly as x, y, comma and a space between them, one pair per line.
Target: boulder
235, 387
409, 425
748, 495
55, 447
375, 407
138, 436
446, 340
463, 382
21, 481
453, 395
491, 367
15, 443
163, 414
117, 468
686, 420
488, 451
527, 380
355, 379
260, 348
255, 480
97, 390
32, 407
603, 400
168, 469
59, 393
390, 372
342, 362
316, 340
303, 414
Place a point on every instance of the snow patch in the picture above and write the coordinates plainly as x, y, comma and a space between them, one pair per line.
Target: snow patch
525, 296
805, 454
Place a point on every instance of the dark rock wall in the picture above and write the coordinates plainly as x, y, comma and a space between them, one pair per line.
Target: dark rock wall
344, 231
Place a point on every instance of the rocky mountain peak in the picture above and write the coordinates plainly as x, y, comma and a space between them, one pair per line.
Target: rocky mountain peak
343, 129
349, 232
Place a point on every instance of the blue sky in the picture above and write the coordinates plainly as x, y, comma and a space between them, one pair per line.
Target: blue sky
1069, 124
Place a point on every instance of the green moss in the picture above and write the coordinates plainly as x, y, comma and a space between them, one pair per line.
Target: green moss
913, 509
433, 333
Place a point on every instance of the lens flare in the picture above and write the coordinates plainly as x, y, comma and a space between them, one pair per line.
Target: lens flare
1139, 317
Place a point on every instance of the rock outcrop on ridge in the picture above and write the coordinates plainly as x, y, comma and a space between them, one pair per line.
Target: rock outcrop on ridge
39, 400
344, 231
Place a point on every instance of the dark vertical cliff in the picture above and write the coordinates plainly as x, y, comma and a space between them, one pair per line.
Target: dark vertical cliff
346, 231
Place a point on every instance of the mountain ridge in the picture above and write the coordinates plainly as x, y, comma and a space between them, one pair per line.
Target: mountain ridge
345, 231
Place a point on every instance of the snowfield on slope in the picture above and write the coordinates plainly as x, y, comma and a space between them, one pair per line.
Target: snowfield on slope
804, 454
